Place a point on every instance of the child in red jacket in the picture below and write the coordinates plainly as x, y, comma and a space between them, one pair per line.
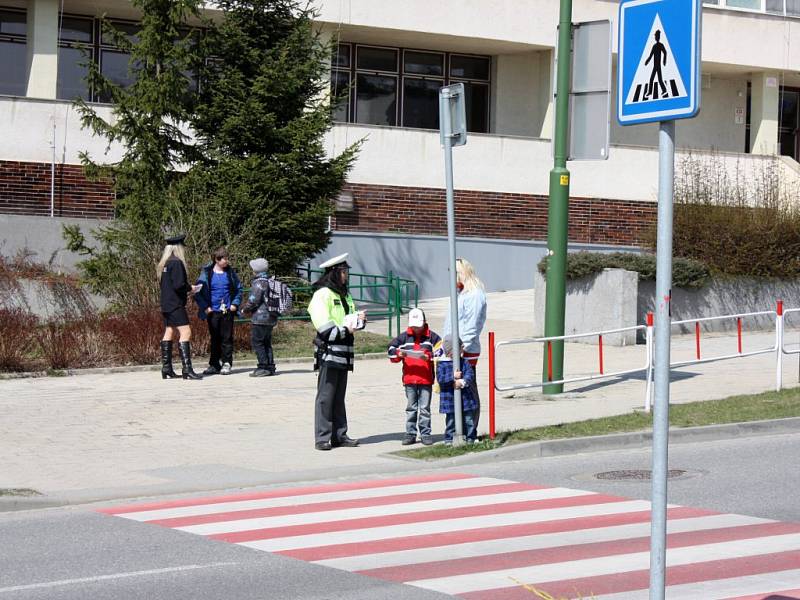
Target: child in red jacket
414, 347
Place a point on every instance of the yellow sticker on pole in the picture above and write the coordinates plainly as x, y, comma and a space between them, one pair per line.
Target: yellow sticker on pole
565, 180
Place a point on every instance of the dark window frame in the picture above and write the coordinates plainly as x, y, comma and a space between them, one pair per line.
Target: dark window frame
401, 75
16, 38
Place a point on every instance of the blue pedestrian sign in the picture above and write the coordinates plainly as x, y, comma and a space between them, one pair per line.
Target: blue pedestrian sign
658, 67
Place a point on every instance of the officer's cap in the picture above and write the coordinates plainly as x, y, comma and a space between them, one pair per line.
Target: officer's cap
336, 261
176, 239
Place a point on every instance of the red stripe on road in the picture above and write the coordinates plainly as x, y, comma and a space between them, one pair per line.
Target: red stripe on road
319, 489
543, 556
776, 595
640, 580
276, 511
415, 542
420, 517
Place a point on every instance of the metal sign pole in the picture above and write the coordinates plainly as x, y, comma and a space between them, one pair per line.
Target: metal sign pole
447, 134
658, 518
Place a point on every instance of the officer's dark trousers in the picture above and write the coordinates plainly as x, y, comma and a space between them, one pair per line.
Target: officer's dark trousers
330, 418
220, 327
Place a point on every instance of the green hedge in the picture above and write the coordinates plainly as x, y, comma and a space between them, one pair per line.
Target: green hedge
686, 273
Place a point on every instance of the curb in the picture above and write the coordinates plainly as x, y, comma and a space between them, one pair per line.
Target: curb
515, 452
146, 368
619, 441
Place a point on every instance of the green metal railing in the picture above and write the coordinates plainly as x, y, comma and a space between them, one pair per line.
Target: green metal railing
386, 296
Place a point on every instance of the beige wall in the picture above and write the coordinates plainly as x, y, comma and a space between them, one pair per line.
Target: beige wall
521, 94
714, 127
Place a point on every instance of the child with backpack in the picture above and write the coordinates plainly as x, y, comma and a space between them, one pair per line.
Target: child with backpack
268, 298
414, 347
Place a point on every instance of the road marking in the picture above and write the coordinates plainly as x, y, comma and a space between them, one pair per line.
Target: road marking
98, 578
477, 537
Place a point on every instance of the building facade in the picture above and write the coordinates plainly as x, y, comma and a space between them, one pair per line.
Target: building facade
390, 60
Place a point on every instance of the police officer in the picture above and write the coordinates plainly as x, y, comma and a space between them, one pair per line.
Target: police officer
334, 316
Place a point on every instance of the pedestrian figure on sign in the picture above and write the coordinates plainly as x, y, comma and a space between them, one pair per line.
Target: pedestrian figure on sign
658, 54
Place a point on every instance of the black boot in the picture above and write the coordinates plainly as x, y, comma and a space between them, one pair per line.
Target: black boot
185, 349
167, 372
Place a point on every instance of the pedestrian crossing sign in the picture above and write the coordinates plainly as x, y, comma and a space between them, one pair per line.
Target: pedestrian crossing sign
658, 67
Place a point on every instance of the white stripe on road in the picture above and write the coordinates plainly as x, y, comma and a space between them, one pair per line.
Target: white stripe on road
445, 525
606, 565
386, 510
734, 587
98, 578
532, 542
302, 499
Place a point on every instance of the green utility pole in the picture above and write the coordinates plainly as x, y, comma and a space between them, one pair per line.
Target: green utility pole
558, 210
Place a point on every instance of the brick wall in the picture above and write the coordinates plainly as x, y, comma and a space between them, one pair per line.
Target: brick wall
25, 190
393, 209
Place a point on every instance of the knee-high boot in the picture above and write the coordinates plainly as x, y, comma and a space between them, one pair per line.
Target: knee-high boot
167, 372
185, 349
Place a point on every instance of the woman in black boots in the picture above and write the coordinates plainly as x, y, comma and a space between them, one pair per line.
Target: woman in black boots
175, 290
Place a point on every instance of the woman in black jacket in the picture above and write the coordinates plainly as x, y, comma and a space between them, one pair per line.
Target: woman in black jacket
175, 290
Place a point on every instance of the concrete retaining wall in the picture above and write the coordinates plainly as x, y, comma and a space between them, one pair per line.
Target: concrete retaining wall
42, 237
595, 303
616, 298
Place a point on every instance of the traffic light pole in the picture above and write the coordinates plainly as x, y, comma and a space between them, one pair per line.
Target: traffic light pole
558, 210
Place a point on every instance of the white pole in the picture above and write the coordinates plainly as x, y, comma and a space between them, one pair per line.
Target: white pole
663, 324
53, 174
444, 99
779, 347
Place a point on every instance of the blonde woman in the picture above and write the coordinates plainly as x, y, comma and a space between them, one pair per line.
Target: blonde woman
471, 319
175, 290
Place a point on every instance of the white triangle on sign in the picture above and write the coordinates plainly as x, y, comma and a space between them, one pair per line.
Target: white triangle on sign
646, 85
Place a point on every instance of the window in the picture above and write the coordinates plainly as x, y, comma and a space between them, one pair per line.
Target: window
376, 85
13, 49
114, 63
341, 82
75, 50
396, 86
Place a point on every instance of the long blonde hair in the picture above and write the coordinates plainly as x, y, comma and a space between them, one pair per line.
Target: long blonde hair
466, 275
171, 250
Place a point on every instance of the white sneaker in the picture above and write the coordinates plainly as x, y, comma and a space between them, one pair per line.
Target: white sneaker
226, 369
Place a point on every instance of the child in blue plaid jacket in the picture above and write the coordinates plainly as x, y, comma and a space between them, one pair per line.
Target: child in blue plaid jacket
448, 382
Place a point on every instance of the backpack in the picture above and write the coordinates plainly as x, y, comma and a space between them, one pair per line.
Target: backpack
280, 298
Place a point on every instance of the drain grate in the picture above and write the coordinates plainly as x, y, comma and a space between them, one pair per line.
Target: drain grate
636, 474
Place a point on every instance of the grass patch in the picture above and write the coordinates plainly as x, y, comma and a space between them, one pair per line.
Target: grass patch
291, 339
735, 409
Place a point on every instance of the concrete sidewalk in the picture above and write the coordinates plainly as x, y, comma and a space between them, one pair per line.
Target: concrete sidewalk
100, 436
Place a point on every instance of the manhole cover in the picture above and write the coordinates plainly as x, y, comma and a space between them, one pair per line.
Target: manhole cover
637, 474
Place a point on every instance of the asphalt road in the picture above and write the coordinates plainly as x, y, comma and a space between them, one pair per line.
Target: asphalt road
76, 553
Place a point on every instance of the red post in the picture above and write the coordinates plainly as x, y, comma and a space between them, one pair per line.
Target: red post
491, 384
697, 337
549, 361
780, 308
739, 332
649, 319
600, 347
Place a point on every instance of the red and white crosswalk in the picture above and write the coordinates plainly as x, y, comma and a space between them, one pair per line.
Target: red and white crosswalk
486, 538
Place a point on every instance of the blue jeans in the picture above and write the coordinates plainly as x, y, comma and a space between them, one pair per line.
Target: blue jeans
418, 405
470, 428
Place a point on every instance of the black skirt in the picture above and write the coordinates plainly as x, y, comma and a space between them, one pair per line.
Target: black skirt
176, 318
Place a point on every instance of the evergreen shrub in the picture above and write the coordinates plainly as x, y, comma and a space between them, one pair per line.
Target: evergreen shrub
686, 273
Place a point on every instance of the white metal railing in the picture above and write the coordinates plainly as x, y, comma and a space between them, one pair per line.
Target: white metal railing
601, 371
778, 348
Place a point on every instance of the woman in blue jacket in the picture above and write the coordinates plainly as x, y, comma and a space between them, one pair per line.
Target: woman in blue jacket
471, 319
